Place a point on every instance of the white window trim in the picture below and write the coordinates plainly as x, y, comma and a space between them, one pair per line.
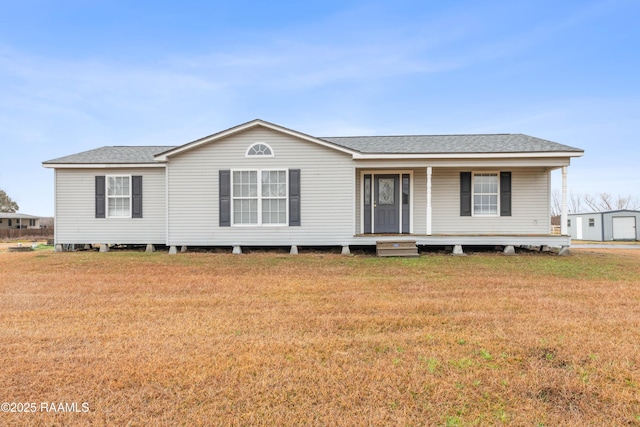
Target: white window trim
246, 153
260, 198
107, 197
473, 194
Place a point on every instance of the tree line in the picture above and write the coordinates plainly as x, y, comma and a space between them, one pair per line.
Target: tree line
595, 202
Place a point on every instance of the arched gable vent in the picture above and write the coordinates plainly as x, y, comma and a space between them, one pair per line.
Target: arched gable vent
260, 149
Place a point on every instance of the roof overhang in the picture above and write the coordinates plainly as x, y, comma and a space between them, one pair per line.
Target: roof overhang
522, 155
102, 165
15, 215
163, 157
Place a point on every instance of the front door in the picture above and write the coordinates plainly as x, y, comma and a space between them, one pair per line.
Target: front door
386, 204
579, 228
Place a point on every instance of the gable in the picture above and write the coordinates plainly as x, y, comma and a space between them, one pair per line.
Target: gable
232, 151
255, 125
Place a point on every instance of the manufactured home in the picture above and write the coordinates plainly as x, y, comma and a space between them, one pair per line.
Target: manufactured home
261, 184
12, 220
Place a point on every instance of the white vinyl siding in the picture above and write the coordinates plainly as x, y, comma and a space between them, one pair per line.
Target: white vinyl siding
529, 205
75, 209
327, 181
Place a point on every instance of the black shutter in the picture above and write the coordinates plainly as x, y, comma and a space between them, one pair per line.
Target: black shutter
465, 193
294, 197
505, 193
225, 198
136, 196
100, 197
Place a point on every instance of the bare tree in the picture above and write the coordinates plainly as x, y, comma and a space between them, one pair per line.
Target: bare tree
629, 202
607, 202
574, 202
556, 203
595, 202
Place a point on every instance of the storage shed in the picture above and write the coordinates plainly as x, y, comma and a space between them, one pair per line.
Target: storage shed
604, 226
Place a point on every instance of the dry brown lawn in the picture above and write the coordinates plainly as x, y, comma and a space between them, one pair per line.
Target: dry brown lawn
321, 339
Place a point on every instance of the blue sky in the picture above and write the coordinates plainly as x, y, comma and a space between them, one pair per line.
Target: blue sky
76, 75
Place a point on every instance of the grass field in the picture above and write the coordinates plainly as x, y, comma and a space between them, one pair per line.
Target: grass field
320, 339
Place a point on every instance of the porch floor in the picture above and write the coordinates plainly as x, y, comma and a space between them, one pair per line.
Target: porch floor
552, 240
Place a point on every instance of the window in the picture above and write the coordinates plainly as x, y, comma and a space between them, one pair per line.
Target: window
260, 149
245, 197
274, 197
569, 223
485, 194
592, 222
118, 196
259, 197
32, 223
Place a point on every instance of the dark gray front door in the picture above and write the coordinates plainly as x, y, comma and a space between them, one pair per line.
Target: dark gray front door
386, 204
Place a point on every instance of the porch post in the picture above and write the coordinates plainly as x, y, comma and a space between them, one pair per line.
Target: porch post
563, 214
429, 172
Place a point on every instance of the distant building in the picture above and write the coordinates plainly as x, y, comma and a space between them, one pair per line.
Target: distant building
9, 220
604, 226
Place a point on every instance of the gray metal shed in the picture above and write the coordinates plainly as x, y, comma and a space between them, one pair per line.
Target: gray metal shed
605, 226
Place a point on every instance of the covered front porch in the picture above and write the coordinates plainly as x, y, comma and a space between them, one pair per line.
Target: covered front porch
434, 206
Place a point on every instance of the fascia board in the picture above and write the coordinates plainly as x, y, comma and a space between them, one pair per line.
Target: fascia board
102, 165
360, 156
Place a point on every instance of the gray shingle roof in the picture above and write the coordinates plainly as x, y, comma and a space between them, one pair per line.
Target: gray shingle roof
15, 215
113, 155
435, 144
402, 144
